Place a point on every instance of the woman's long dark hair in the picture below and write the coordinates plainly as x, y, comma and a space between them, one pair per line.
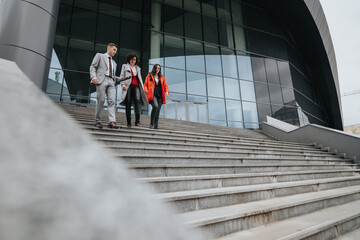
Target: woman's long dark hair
153, 71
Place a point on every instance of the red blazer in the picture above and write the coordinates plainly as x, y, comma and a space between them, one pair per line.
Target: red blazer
150, 86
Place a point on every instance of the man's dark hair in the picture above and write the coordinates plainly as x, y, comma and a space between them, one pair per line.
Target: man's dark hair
131, 56
112, 45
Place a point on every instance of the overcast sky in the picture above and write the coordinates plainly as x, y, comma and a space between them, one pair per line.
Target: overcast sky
343, 17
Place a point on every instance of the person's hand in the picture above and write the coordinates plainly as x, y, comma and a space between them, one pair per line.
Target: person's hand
94, 80
146, 91
122, 78
166, 94
123, 87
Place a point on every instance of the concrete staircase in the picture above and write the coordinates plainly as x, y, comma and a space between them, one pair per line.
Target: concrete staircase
237, 183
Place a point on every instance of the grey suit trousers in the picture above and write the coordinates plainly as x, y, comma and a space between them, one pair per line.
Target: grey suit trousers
107, 87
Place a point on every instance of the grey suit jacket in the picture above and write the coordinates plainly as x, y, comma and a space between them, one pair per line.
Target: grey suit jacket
99, 67
126, 72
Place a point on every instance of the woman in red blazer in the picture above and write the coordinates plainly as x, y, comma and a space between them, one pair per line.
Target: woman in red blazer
156, 90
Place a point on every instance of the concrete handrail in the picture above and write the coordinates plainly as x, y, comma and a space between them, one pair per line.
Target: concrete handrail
334, 140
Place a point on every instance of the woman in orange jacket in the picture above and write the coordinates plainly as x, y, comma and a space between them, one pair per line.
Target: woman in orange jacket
156, 90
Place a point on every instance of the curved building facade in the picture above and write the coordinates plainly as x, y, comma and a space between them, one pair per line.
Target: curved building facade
234, 61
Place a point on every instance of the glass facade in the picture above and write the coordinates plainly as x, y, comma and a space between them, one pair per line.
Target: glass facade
233, 56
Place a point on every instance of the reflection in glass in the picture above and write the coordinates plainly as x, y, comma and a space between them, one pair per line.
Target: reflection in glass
156, 49
275, 94
193, 27
60, 48
175, 3
250, 112
173, 20
263, 111
130, 36
289, 97
219, 123
258, 67
262, 93
80, 55
216, 109
83, 23
232, 88
213, 60
194, 56
239, 34
196, 83
107, 29
223, 7
247, 91
211, 33
215, 86
235, 124
286, 114
132, 10
272, 71
244, 67
236, 12
233, 109
284, 73
174, 52
175, 80
229, 63
63, 20
226, 34
88, 4
208, 8
110, 7
193, 5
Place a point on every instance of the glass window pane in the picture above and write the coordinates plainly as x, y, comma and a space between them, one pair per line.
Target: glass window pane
250, 112
174, 52
175, 80
219, 123
262, 93
107, 29
287, 114
196, 83
259, 72
251, 125
211, 33
275, 95
80, 55
175, 3
63, 21
195, 60
208, 8
216, 109
229, 63
88, 4
226, 34
78, 86
239, 34
289, 96
215, 86
110, 7
130, 36
173, 20
156, 16
83, 23
157, 48
223, 7
59, 52
213, 60
193, 5
272, 71
193, 27
247, 91
263, 111
236, 10
284, 73
235, 124
54, 84
232, 88
234, 112
132, 10
244, 67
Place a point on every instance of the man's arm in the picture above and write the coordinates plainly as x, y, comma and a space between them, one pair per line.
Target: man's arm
93, 68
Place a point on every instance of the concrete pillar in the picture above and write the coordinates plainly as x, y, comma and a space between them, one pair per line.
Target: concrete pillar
156, 25
27, 29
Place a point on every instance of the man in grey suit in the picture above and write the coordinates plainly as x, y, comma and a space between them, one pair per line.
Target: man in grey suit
102, 74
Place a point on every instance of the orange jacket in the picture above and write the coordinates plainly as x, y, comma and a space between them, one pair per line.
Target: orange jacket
150, 86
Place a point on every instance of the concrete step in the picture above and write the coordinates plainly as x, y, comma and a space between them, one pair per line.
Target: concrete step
230, 219
323, 224
196, 200
196, 152
188, 183
138, 135
167, 170
205, 146
149, 157
191, 135
351, 235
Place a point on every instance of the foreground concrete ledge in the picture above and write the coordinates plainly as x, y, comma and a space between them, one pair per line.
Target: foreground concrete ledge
335, 140
57, 183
